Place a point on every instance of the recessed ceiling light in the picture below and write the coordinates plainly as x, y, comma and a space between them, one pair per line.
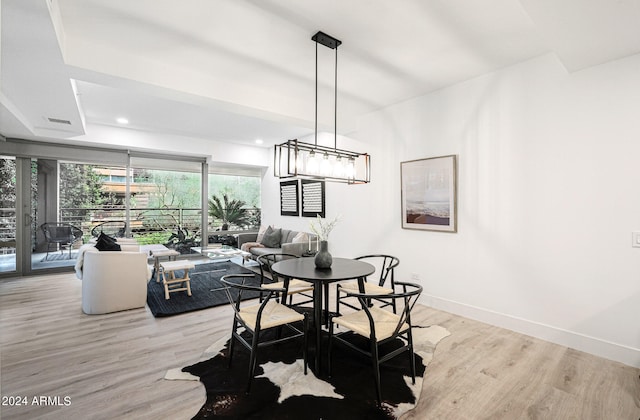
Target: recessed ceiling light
259, 141
122, 120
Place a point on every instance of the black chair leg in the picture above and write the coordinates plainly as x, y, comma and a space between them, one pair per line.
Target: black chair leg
252, 359
232, 342
412, 357
305, 342
326, 304
376, 370
329, 349
413, 365
231, 351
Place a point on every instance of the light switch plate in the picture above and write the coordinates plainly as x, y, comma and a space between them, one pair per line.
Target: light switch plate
635, 239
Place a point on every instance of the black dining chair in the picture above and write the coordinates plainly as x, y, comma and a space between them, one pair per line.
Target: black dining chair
385, 284
272, 281
113, 228
378, 326
60, 235
258, 318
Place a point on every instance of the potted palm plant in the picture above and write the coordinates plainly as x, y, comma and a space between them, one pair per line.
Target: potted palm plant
231, 212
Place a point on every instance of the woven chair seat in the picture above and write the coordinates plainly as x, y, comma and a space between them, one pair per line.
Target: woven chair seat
385, 321
384, 284
295, 286
273, 315
369, 288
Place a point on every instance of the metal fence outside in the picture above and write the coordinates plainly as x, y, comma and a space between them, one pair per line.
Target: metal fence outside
147, 225
149, 219
7, 230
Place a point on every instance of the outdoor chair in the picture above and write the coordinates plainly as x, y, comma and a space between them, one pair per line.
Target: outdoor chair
113, 228
258, 318
273, 282
385, 266
378, 326
60, 235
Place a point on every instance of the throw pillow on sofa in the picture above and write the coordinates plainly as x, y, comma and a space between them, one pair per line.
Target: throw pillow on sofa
271, 237
301, 237
261, 232
107, 243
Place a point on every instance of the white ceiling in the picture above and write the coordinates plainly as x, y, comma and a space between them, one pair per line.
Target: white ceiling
238, 70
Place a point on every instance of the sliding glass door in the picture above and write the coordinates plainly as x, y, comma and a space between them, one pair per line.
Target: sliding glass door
241, 193
8, 233
18, 213
80, 201
55, 198
166, 203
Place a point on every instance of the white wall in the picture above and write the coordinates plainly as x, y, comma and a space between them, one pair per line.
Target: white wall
548, 198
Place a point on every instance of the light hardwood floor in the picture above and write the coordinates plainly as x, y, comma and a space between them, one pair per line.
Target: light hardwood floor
112, 366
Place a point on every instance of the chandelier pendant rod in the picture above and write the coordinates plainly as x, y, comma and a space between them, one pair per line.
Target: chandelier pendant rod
335, 102
316, 110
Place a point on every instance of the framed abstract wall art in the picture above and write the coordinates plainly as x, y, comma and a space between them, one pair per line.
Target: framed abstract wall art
429, 194
289, 198
313, 198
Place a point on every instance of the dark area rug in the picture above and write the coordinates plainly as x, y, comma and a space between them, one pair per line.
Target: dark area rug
282, 391
206, 290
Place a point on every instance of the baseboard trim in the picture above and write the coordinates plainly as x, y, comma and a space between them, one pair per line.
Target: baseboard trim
628, 355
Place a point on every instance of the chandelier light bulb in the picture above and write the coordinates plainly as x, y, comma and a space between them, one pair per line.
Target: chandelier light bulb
351, 168
338, 167
298, 161
326, 165
312, 163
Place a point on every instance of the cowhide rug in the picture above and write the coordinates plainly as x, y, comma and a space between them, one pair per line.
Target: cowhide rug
280, 389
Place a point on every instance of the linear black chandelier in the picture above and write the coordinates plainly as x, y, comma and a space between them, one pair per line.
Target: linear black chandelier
294, 158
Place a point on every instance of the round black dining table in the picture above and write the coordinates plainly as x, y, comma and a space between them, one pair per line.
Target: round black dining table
305, 269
